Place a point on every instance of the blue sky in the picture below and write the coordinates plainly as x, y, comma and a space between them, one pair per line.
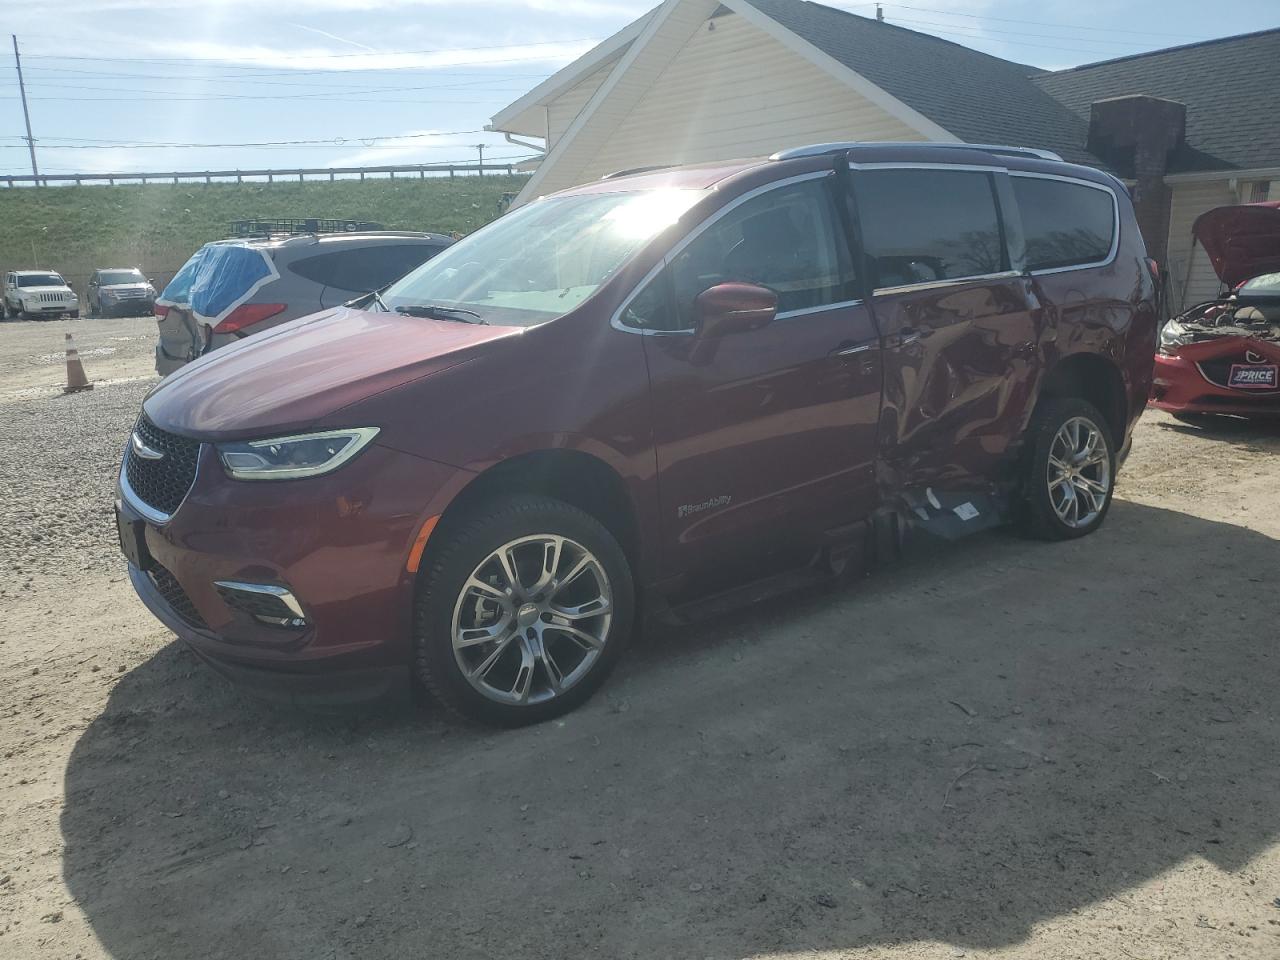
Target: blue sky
358, 74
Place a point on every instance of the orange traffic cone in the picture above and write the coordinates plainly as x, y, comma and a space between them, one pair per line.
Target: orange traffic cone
76, 380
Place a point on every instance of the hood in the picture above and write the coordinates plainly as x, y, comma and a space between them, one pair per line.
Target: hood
1242, 241
125, 287
1230, 346
290, 376
53, 288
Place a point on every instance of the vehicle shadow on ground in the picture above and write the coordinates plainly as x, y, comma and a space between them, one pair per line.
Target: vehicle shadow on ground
1260, 431
956, 750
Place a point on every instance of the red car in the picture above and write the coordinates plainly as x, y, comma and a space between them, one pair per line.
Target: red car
1223, 357
643, 393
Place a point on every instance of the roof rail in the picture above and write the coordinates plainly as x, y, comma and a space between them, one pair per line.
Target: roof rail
817, 149
634, 170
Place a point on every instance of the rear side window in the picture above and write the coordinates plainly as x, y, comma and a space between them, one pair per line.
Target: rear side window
922, 226
1065, 224
361, 269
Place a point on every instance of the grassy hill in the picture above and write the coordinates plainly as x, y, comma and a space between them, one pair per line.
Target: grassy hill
75, 230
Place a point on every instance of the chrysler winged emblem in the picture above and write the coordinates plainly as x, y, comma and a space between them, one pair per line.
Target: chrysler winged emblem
141, 449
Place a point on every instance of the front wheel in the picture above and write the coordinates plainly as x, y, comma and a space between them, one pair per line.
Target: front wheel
1069, 470
522, 611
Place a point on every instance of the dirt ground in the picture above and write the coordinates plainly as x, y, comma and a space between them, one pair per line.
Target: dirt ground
1002, 749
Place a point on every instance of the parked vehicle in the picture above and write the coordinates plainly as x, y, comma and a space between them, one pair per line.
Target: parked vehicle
120, 292
233, 288
650, 389
1223, 356
38, 295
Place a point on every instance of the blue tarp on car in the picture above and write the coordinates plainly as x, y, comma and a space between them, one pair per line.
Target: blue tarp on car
217, 279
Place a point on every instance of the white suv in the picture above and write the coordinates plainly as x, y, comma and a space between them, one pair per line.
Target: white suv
37, 294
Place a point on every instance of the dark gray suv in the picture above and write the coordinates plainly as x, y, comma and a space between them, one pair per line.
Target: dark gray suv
122, 292
232, 288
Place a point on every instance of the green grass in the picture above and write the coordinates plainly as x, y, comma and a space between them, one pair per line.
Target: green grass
76, 230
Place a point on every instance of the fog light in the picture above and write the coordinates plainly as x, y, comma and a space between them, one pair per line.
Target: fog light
267, 603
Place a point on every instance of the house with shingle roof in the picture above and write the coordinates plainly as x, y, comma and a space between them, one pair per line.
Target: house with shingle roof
1189, 128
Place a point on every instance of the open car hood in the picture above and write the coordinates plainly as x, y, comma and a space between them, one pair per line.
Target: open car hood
1243, 241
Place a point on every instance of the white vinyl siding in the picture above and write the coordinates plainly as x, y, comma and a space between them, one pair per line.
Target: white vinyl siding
1193, 279
697, 94
562, 110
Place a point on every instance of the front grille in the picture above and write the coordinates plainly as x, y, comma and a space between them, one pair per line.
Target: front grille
161, 484
52, 297
176, 597
1218, 370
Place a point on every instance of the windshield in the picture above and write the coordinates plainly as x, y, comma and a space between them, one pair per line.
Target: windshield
40, 280
542, 260
108, 278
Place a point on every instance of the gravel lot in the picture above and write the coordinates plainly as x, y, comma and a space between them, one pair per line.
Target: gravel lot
1004, 749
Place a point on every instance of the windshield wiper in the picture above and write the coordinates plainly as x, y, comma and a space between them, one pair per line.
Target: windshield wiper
435, 311
376, 296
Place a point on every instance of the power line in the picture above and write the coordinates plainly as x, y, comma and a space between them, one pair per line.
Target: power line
329, 141
1042, 23
986, 31
326, 56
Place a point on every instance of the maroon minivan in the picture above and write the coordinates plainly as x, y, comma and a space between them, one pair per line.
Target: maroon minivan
670, 390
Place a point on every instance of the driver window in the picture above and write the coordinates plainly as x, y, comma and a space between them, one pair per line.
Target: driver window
785, 239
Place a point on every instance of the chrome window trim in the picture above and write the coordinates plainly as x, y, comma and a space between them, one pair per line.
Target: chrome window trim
136, 503
616, 320
806, 311
1115, 222
949, 282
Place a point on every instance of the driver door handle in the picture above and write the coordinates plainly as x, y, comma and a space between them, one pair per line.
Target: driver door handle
850, 349
905, 336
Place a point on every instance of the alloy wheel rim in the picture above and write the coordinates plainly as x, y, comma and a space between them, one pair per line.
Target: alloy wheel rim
1079, 474
532, 619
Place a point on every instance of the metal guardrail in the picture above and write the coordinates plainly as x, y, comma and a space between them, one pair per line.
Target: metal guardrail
239, 176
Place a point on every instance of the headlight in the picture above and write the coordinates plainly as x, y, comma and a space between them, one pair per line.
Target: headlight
287, 458
1172, 336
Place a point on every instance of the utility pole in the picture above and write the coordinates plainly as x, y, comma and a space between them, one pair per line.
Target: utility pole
31, 142
480, 148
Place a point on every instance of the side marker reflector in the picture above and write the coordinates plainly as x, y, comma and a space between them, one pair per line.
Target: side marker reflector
420, 544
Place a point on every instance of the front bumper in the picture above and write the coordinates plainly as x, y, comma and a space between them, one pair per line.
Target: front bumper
340, 543
1180, 387
134, 307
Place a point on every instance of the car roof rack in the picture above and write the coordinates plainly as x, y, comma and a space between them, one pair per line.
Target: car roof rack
276, 226
631, 171
817, 149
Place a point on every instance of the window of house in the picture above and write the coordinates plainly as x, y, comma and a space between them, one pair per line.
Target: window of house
922, 226
786, 239
1064, 224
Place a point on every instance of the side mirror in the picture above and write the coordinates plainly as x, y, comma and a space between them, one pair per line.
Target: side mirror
729, 308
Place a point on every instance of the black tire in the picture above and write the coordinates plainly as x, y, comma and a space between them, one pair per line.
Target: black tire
459, 552
1037, 516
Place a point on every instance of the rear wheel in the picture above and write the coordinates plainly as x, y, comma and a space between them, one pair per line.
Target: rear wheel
523, 611
1069, 471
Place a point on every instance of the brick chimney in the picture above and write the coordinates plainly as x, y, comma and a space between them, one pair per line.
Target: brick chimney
1135, 135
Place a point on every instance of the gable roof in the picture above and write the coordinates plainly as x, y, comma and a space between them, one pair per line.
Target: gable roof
978, 97
1230, 85
1231, 88
608, 50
